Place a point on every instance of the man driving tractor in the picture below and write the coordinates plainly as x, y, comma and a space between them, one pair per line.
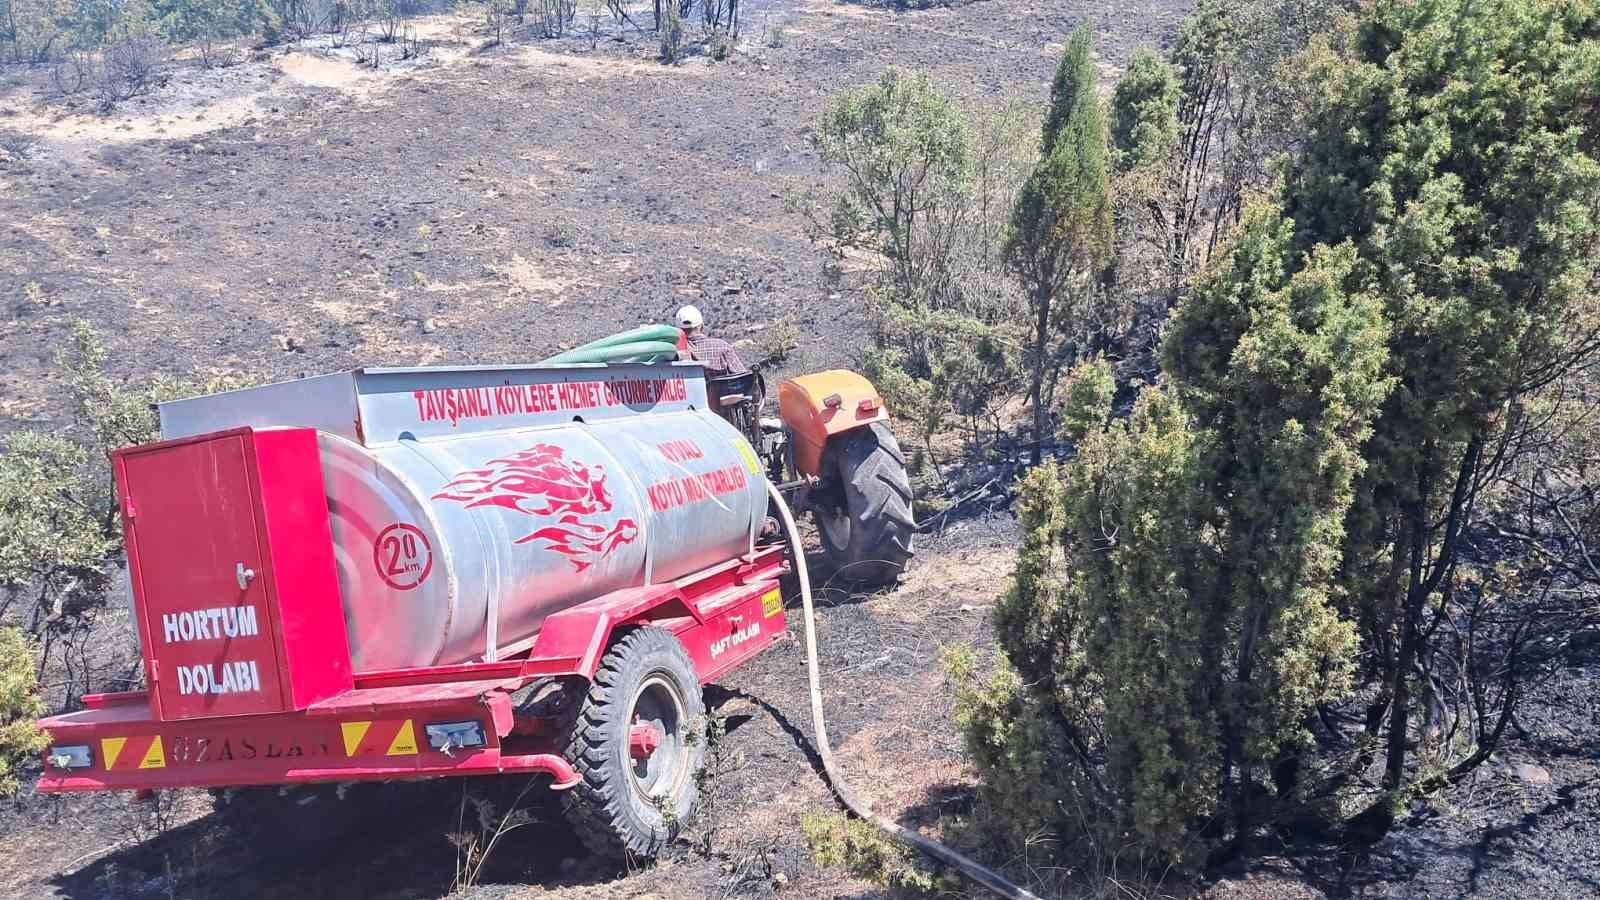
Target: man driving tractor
716, 354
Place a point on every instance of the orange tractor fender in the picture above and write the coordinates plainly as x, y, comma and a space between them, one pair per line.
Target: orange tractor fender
816, 407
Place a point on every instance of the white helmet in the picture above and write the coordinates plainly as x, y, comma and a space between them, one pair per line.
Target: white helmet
689, 317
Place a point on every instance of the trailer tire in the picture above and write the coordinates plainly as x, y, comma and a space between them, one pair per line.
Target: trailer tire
869, 538
628, 807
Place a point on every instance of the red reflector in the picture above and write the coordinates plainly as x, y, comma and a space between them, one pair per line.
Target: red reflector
832, 401
868, 405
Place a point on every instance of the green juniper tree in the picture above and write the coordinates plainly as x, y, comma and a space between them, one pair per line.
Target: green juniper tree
96, 23
1342, 386
1173, 606
1455, 149
1144, 113
1060, 233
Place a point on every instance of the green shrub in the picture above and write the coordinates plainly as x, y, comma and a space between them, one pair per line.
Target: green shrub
96, 23
34, 30
54, 535
905, 150
937, 368
719, 46
1086, 397
924, 206
1016, 741
60, 532
865, 852
781, 340
205, 22
19, 706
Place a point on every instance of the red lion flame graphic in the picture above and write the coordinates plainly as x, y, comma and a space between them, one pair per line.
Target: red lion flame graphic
540, 481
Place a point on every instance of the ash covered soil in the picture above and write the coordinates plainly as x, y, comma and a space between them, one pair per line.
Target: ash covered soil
295, 215
478, 205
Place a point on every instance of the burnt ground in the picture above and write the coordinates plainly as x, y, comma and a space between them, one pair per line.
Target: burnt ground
484, 205
294, 215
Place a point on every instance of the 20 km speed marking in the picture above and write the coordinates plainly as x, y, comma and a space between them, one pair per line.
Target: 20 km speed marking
403, 556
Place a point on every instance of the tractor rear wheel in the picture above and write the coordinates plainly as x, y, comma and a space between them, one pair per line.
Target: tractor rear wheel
867, 532
636, 745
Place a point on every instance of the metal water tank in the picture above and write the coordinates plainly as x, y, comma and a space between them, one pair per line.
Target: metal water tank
469, 504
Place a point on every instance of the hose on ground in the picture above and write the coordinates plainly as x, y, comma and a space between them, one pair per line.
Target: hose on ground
976, 871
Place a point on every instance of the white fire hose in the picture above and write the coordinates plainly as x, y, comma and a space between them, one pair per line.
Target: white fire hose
976, 871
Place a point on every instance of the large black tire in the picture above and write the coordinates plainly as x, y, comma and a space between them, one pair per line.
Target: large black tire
868, 538
627, 808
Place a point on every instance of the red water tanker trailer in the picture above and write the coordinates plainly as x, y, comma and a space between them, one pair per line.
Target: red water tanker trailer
417, 573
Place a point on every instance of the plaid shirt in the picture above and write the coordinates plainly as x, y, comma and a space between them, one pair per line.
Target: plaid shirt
716, 354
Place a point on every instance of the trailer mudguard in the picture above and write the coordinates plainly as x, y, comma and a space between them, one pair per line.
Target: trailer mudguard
817, 407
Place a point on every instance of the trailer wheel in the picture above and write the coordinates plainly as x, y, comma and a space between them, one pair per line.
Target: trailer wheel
868, 536
635, 743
